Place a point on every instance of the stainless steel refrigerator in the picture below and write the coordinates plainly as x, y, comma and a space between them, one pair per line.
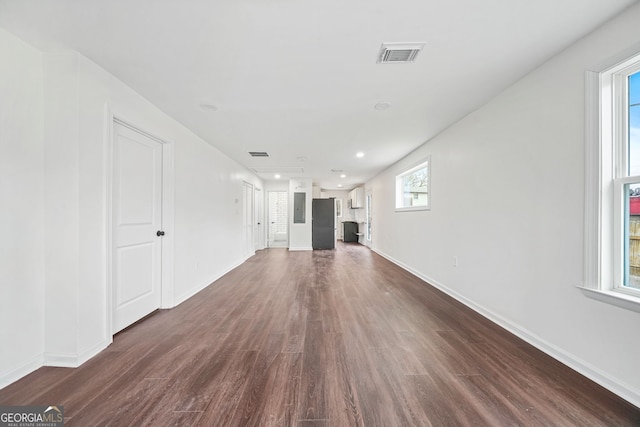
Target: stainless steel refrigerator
323, 223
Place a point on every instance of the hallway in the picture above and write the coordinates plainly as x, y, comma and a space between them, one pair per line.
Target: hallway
323, 338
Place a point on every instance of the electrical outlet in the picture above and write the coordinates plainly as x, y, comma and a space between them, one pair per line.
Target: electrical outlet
455, 261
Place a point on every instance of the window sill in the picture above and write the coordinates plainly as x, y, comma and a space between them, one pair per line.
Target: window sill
619, 299
413, 208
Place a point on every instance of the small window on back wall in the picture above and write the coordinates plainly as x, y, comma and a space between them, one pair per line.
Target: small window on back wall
413, 188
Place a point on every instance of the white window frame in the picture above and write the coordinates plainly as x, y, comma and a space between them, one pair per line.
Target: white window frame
605, 179
424, 163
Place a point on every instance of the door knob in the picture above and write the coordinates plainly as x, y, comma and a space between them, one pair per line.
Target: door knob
159, 233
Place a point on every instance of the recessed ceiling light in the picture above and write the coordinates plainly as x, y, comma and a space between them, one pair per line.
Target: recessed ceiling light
343, 176
339, 185
208, 107
360, 154
381, 106
277, 176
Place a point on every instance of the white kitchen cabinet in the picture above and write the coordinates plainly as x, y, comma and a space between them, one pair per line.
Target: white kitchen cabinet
356, 198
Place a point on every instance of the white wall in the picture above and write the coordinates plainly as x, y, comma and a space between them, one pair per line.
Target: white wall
507, 200
208, 217
276, 186
54, 143
22, 211
61, 201
300, 234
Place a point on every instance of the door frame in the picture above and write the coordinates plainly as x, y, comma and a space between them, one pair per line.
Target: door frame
167, 242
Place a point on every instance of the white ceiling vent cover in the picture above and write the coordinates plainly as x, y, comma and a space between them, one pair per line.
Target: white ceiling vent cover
258, 154
399, 53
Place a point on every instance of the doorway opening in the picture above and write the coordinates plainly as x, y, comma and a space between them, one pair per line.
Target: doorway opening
278, 219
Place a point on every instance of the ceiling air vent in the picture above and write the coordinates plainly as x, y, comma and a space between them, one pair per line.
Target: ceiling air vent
398, 53
259, 154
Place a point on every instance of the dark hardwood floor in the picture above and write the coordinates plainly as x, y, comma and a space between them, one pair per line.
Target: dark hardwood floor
323, 338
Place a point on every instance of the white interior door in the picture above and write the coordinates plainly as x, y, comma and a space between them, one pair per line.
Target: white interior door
137, 223
247, 218
259, 219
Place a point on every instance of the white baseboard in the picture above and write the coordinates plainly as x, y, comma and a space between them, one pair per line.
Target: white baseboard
73, 360
61, 360
612, 384
301, 248
192, 292
28, 367
93, 351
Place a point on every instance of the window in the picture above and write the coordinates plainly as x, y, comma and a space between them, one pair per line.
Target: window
612, 215
630, 178
412, 188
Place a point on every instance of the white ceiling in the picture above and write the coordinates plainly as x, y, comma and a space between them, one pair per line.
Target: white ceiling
299, 78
